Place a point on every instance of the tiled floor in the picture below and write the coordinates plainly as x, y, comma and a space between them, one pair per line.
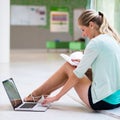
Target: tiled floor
31, 68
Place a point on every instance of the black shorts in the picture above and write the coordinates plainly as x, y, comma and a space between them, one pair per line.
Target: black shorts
101, 105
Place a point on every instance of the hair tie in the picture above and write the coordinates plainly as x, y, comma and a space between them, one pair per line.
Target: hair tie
100, 13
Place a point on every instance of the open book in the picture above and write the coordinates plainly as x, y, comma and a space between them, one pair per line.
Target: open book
73, 56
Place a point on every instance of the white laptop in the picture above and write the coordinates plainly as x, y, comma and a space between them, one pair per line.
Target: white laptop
16, 100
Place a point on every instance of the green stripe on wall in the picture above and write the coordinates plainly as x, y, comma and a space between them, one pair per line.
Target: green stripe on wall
69, 4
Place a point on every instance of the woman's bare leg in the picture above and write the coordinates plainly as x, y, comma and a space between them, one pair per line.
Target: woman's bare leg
57, 80
82, 89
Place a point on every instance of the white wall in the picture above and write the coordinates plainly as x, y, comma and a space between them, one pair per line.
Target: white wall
4, 31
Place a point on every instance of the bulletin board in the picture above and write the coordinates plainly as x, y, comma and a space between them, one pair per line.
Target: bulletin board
28, 15
59, 19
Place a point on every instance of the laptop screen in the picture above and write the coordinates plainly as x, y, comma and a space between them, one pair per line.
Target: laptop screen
12, 92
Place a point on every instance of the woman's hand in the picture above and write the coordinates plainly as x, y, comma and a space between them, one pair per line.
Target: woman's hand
75, 60
49, 100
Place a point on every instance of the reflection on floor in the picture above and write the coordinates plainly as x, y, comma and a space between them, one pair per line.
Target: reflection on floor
29, 69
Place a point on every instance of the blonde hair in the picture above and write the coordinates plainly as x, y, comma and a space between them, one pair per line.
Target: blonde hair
100, 20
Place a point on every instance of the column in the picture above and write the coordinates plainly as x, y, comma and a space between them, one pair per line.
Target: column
4, 31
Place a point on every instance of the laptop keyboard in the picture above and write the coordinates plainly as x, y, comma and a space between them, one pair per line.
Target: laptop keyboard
28, 105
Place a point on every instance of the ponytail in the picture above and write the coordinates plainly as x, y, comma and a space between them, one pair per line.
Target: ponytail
105, 28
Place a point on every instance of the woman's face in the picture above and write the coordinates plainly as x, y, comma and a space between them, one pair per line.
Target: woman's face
89, 31
85, 31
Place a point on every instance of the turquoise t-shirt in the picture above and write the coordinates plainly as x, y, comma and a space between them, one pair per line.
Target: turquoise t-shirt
114, 98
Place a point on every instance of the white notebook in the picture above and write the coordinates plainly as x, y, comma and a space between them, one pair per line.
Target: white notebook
75, 55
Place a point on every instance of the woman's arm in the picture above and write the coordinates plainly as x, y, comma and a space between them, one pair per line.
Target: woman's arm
68, 85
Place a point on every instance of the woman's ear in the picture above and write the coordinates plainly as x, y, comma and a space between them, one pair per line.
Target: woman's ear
91, 25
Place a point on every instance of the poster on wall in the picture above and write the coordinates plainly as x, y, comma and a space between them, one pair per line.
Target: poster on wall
28, 15
77, 30
59, 20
